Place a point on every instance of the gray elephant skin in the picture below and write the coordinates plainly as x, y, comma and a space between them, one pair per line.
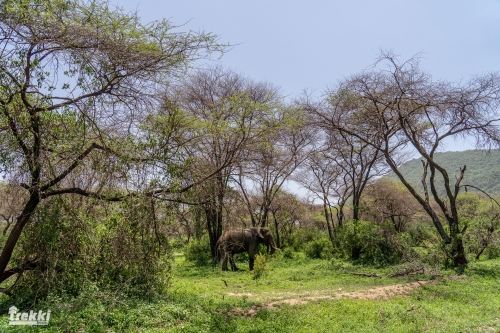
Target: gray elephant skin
243, 240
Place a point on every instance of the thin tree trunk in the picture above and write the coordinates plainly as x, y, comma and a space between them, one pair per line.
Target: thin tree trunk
265, 213
355, 207
340, 215
485, 241
212, 231
328, 221
278, 243
198, 228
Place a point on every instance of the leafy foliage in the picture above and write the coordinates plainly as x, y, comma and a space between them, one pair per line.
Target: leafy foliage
198, 251
288, 253
371, 244
319, 249
260, 267
78, 79
122, 250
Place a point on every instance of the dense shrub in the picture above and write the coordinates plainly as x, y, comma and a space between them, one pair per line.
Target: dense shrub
371, 244
480, 218
492, 251
300, 237
422, 231
288, 253
319, 249
80, 242
198, 251
482, 237
260, 267
177, 244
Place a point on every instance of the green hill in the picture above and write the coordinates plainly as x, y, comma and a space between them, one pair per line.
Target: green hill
483, 169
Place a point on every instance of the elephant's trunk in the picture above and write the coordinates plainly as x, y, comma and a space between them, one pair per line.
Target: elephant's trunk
272, 246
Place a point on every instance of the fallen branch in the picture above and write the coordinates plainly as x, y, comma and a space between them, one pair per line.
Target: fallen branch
403, 272
224, 282
367, 274
408, 271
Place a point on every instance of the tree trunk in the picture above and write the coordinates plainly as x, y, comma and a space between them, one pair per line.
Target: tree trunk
398, 223
14, 235
340, 215
218, 231
198, 225
458, 252
329, 222
355, 207
278, 243
213, 231
265, 213
355, 252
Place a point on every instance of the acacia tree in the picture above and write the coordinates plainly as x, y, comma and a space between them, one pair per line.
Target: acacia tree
229, 114
285, 210
387, 200
359, 161
338, 171
322, 176
395, 105
273, 160
76, 80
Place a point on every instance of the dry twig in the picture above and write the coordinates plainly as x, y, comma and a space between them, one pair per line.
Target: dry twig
367, 274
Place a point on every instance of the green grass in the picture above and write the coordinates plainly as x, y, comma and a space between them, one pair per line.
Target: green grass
199, 301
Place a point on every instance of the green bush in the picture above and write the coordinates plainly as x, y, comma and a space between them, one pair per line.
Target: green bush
300, 237
421, 231
492, 252
288, 253
260, 267
367, 243
198, 252
78, 242
480, 218
177, 244
482, 230
319, 249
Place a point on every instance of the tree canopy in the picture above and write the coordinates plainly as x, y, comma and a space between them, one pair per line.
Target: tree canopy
78, 78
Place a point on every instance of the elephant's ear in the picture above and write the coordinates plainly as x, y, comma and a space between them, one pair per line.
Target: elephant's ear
259, 233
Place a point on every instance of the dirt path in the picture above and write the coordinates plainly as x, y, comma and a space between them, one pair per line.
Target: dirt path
384, 292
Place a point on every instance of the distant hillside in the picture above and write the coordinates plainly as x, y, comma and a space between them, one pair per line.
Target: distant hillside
483, 169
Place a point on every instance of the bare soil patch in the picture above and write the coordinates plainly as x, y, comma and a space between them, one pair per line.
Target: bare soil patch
384, 292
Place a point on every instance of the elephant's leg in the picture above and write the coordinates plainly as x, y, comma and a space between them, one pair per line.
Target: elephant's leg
224, 262
251, 263
233, 265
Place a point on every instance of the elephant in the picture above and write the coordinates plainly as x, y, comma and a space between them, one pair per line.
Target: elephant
243, 240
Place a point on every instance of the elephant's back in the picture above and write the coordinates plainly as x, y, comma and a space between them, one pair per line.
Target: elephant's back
235, 241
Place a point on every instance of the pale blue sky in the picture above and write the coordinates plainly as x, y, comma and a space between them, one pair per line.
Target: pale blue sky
309, 44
